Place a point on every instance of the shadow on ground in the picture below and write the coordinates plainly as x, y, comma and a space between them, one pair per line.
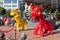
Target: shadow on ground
56, 31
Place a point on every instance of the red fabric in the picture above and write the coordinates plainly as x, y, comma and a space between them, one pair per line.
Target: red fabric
50, 27
41, 9
8, 19
28, 3
4, 19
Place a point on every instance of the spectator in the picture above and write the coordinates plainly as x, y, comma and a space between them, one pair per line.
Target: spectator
2, 36
23, 36
12, 22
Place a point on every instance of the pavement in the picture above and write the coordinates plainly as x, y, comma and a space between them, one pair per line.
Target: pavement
30, 36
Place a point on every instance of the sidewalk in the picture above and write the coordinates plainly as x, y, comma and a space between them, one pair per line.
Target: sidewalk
30, 35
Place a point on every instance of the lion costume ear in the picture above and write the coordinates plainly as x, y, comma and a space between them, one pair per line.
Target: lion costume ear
16, 10
41, 9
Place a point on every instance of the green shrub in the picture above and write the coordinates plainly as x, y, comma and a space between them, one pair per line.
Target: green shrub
8, 12
1, 9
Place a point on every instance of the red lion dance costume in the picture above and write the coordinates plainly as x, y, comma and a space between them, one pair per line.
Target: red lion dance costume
43, 25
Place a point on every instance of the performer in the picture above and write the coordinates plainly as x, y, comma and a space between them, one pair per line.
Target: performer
19, 21
42, 26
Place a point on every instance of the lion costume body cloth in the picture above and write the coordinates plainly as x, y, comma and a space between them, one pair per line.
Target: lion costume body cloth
43, 25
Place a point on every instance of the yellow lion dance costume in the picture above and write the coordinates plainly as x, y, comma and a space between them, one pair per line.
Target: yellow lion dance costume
20, 23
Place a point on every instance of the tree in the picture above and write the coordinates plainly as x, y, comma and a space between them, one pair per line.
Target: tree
8, 12
1, 10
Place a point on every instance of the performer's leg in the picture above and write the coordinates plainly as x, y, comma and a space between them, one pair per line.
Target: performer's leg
24, 27
41, 30
50, 27
45, 26
17, 26
36, 29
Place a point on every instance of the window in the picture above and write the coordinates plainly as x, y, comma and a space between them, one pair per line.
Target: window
1, 4
7, 5
14, 5
22, 6
7, 1
14, 1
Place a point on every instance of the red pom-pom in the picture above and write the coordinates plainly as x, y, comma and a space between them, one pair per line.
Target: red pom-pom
17, 9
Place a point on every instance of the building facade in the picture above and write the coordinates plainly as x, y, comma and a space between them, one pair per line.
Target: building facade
1, 4
10, 4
